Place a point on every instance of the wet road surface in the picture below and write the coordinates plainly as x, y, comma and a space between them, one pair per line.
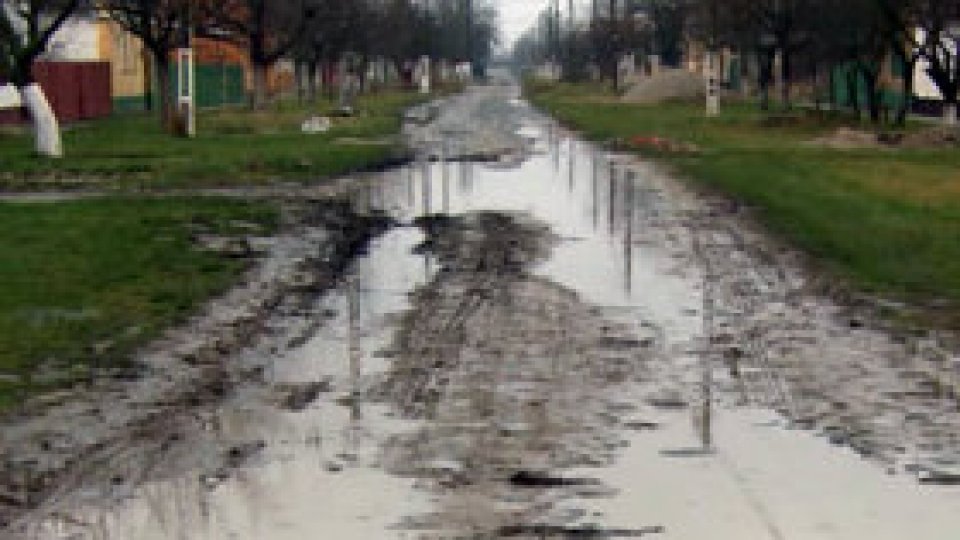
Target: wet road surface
539, 350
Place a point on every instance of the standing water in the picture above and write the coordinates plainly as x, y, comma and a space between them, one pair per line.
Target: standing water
581, 348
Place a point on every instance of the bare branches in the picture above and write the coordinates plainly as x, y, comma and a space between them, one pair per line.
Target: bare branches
25, 31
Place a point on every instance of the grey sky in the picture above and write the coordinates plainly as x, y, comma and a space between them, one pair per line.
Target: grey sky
516, 16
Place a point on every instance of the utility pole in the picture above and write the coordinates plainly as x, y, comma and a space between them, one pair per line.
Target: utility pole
615, 49
555, 16
594, 53
469, 32
712, 64
571, 30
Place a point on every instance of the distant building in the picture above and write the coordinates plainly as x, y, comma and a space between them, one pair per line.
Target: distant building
88, 37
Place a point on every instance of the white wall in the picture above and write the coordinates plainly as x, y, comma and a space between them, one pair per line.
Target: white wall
77, 40
923, 85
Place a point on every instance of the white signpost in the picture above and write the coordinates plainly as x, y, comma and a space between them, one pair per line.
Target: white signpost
186, 90
424, 74
713, 84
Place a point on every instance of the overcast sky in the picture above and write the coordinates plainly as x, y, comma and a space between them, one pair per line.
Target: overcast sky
516, 16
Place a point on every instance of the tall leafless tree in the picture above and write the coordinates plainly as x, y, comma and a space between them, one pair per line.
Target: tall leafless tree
26, 28
160, 25
269, 29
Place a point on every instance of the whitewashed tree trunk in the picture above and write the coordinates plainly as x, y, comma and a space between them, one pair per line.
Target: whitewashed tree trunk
46, 129
950, 114
425, 75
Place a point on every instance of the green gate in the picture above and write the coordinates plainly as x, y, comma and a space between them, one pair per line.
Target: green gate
217, 85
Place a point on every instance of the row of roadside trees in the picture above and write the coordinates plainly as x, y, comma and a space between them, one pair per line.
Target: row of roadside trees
308, 32
785, 40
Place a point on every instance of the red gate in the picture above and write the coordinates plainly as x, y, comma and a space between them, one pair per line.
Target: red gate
76, 90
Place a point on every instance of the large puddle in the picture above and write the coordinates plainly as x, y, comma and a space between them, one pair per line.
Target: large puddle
623, 247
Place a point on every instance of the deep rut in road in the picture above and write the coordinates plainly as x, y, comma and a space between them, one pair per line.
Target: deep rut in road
528, 353
515, 380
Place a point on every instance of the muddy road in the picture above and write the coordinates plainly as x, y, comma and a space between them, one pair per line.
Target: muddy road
524, 336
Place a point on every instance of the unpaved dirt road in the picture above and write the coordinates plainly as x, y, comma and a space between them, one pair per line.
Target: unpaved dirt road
535, 344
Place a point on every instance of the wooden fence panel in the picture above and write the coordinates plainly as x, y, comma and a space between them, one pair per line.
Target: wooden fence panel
76, 91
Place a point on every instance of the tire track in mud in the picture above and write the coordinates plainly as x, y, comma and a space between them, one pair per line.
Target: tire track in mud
122, 432
786, 343
515, 381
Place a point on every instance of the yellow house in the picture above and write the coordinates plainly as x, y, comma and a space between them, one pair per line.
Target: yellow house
129, 68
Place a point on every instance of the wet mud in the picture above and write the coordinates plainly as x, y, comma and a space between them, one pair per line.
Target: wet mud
514, 378
123, 428
543, 340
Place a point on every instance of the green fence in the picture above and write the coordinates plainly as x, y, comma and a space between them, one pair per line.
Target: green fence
217, 85
734, 75
849, 86
129, 104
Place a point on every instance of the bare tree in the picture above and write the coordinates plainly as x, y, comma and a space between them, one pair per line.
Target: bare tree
669, 19
25, 31
159, 24
269, 29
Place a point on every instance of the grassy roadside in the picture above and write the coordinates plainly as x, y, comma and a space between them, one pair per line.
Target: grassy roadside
887, 220
234, 146
82, 283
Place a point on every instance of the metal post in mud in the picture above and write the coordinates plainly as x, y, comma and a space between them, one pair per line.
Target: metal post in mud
445, 164
411, 189
353, 352
593, 173
554, 138
427, 187
462, 177
469, 176
611, 219
706, 367
628, 236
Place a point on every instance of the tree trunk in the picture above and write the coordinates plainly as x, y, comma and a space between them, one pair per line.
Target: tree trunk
906, 104
329, 78
873, 96
312, 92
765, 79
148, 98
46, 129
259, 101
298, 76
950, 112
162, 67
853, 91
785, 79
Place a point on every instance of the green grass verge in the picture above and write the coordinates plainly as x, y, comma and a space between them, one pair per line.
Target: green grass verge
83, 283
233, 147
886, 220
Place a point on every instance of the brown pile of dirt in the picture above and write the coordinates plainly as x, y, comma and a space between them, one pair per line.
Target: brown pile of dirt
673, 84
847, 138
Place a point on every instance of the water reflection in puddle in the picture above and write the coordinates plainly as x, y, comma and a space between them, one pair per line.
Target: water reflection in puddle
620, 246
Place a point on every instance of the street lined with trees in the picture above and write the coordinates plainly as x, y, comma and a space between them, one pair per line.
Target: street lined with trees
323, 38
879, 46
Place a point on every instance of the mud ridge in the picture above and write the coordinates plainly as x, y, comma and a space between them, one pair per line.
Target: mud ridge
120, 432
513, 377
